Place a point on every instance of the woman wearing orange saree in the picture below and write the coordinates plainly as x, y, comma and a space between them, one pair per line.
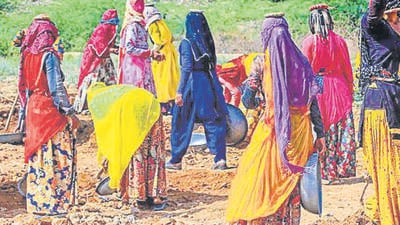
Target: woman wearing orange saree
265, 188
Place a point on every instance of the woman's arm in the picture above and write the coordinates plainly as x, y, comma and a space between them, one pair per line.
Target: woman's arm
251, 87
55, 81
316, 119
375, 14
186, 64
249, 99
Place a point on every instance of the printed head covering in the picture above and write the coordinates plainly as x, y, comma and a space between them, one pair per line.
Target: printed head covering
151, 14
133, 11
200, 37
291, 75
392, 6
40, 36
320, 20
99, 43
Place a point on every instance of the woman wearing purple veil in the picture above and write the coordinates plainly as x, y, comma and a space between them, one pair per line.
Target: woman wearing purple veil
265, 189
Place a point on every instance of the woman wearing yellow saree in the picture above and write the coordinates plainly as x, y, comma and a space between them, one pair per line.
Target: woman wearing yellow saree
166, 72
265, 188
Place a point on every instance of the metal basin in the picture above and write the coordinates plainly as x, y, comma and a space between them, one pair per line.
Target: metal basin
198, 139
12, 138
310, 186
103, 187
236, 129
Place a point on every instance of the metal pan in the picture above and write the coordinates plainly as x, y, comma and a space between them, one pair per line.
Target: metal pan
103, 187
198, 139
12, 138
310, 186
236, 129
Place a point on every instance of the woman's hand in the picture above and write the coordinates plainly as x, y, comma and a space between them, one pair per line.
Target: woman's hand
179, 100
158, 56
320, 145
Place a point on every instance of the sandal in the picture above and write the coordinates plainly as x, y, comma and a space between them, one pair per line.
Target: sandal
220, 165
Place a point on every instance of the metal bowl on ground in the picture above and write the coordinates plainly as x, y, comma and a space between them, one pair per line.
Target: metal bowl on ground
198, 139
12, 138
310, 186
236, 129
103, 187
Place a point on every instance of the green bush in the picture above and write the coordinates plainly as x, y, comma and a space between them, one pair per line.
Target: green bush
6, 6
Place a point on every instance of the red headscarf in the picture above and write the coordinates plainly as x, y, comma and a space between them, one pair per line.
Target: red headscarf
43, 120
103, 37
133, 12
137, 5
40, 36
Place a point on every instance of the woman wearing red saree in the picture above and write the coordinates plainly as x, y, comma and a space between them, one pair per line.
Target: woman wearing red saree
96, 65
50, 143
329, 58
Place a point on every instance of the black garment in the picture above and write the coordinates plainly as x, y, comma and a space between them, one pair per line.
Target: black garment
380, 46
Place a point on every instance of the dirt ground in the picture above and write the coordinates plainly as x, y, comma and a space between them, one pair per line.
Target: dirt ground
197, 195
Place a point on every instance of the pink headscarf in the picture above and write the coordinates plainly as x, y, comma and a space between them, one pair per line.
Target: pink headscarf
137, 5
133, 11
41, 35
98, 45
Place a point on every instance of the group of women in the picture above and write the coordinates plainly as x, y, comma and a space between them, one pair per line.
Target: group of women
125, 111
297, 90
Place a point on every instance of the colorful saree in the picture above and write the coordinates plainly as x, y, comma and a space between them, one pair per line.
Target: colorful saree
263, 183
49, 145
330, 59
